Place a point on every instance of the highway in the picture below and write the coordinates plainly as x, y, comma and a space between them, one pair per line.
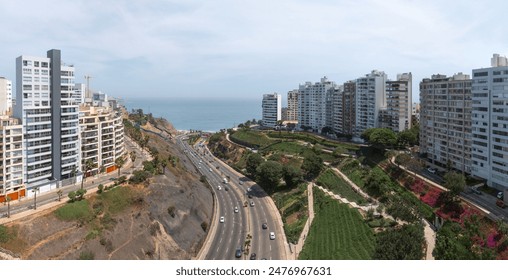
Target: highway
227, 237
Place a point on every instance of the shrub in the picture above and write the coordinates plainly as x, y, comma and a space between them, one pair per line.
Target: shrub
204, 226
86, 255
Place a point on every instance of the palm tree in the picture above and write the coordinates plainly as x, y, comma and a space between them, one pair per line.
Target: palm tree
89, 165
35, 190
119, 163
133, 157
8, 200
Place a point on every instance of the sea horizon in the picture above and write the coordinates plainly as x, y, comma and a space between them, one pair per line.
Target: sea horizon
205, 114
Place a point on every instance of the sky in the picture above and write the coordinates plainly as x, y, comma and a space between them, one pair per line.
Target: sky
247, 48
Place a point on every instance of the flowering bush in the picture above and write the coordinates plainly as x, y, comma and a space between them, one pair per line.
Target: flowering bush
419, 187
431, 197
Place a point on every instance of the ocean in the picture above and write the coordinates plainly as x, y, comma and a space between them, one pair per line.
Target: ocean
199, 114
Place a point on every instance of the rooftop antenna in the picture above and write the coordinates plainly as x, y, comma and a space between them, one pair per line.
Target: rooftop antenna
87, 94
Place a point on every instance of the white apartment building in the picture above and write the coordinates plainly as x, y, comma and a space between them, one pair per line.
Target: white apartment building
5, 96
397, 113
445, 121
490, 123
292, 111
272, 110
370, 98
47, 105
102, 137
314, 105
11, 159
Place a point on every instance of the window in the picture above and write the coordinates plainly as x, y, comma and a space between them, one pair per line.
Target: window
36, 63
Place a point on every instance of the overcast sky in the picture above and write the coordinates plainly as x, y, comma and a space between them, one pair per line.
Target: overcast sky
246, 48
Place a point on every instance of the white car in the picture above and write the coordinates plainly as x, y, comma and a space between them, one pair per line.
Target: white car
221, 219
272, 235
431, 170
219, 188
236, 209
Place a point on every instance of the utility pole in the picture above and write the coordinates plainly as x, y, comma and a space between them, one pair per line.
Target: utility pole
87, 94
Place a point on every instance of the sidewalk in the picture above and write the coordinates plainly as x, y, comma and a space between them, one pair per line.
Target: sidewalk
301, 241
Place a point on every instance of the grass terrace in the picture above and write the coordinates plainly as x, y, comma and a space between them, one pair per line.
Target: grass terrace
337, 232
337, 185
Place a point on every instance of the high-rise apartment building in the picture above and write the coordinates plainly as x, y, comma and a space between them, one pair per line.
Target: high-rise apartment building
48, 107
370, 98
272, 112
490, 123
5, 96
343, 108
11, 159
397, 113
314, 105
292, 109
445, 121
102, 137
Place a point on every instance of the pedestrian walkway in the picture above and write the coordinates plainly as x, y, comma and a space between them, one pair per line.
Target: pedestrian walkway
301, 241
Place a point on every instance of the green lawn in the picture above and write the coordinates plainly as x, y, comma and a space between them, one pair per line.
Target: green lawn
337, 232
251, 138
287, 148
78, 210
117, 199
337, 185
312, 139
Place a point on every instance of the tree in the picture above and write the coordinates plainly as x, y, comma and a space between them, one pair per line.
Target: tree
381, 138
405, 243
59, 193
291, 175
402, 159
119, 162
269, 174
408, 137
133, 156
100, 188
72, 196
312, 165
8, 200
252, 163
89, 165
80, 194
163, 163
454, 182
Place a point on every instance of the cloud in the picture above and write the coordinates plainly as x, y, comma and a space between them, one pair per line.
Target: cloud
228, 47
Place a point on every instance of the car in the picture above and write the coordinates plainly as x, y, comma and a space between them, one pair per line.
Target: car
249, 189
251, 203
264, 226
210, 169
226, 189
500, 195
272, 235
476, 191
253, 256
431, 170
236, 209
221, 219
238, 253
219, 188
241, 183
250, 196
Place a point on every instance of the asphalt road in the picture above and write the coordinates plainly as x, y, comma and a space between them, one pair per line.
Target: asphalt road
231, 235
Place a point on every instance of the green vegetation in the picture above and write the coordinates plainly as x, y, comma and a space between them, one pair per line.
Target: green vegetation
86, 255
293, 206
250, 138
312, 165
405, 243
78, 210
5, 234
118, 199
269, 174
337, 185
313, 139
454, 182
337, 232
